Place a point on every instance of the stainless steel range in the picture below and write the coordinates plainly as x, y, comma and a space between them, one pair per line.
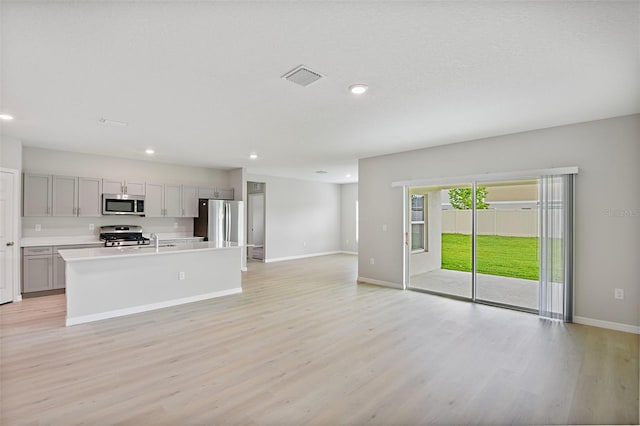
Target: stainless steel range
123, 235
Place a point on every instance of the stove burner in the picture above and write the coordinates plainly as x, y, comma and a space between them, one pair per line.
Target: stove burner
123, 235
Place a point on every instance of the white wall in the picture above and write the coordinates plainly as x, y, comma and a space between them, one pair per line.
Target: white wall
38, 160
238, 182
348, 198
87, 165
10, 153
302, 218
607, 222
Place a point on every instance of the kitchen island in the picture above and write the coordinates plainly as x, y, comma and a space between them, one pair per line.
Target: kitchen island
110, 282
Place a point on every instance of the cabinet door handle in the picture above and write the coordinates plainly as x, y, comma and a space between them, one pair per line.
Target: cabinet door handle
125, 189
78, 211
10, 243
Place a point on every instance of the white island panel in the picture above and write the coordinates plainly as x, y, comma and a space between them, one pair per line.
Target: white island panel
105, 286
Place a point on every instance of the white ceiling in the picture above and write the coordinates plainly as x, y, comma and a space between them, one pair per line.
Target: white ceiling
200, 81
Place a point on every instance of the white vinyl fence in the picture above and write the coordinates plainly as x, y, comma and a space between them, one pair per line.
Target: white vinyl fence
506, 222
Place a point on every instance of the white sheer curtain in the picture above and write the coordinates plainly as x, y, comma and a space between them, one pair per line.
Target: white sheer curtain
556, 247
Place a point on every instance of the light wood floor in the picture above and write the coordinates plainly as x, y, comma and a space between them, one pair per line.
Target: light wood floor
305, 344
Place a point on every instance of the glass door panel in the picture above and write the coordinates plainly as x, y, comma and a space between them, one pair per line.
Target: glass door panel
441, 242
508, 243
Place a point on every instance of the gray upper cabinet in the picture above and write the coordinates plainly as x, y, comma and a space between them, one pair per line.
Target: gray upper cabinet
121, 186
154, 200
61, 196
189, 201
208, 193
224, 194
134, 188
64, 196
172, 201
89, 197
165, 200
37, 195
47, 195
215, 193
112, 186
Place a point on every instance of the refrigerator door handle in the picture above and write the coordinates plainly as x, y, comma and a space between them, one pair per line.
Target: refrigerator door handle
227, 216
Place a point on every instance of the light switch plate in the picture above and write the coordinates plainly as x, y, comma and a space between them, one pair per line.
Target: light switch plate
618, 293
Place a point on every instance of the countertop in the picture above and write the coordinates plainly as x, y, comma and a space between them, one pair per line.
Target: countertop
97, 253
60, 241
92, 239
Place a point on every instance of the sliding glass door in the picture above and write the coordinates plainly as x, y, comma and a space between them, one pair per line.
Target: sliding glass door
508, 243
441, 240
500, 242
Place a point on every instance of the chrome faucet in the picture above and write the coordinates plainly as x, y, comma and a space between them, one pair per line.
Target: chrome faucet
155, 239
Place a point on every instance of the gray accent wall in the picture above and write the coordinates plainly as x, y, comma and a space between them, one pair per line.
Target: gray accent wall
607, 200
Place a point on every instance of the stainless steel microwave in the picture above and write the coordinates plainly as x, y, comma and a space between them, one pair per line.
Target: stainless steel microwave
123, 204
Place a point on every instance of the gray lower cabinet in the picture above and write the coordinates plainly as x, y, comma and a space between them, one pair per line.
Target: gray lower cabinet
43, 268
37, 269
58, 271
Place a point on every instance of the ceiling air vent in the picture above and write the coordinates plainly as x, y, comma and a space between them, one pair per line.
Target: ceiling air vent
303, 76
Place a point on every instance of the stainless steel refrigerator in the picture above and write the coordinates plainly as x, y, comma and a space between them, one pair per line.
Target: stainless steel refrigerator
220, 221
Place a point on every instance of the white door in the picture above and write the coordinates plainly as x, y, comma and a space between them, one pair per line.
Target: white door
8, 247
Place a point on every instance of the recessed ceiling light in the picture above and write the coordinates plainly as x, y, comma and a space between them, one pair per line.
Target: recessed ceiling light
348, 175
149, 151
253, 156
358, 89
321, 172
6, 117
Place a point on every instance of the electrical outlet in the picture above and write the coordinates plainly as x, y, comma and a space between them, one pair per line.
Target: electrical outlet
175, 225
181, 276
91, 227
618, 293
347, 241
304, 244
38, 227
372, 261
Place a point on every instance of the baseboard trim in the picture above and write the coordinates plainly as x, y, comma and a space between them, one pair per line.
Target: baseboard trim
366, 280
302, 256
349, 252
150, 307
607, 324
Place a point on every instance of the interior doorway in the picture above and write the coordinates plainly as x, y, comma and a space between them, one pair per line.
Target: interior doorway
256, 221
8, 230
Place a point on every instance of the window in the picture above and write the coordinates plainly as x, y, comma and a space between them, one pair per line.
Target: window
418, 223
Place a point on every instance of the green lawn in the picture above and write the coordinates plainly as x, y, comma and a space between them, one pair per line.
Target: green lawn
515, 257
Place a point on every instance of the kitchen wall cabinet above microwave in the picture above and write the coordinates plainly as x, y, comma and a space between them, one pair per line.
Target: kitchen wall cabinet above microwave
163, 200
48, 195
119, 186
